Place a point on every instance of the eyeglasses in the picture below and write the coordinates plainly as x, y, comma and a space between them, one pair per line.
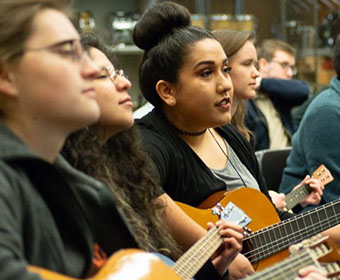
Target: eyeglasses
114, 73
71, 49
286, 66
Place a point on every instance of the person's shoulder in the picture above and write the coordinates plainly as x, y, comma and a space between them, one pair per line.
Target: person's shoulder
154, 127
12, 181
326, 101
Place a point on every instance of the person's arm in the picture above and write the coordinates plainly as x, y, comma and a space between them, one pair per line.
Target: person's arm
186, 232
12, 262
316, 142
184, 229
292, 91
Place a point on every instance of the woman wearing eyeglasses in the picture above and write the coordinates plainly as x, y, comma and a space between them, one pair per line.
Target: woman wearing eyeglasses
51, 215
110, 152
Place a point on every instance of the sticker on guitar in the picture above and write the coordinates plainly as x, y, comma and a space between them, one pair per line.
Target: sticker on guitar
270, 238
232, 213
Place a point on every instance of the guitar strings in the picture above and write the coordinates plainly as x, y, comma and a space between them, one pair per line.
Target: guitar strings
281, 241
194, 256
188, 258
286, 222
292, 219
299, 217
288, 267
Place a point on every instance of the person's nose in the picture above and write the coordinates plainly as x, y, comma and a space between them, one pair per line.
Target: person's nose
89, 69
122, 83
224, 84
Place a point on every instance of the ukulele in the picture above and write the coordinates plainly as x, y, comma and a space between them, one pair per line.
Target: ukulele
318, 250
270, 238
296, 196
134, 264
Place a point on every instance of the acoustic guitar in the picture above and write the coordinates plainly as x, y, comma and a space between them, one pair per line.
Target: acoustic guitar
319, 251
296, 196
129, 264
135, 264
270, 239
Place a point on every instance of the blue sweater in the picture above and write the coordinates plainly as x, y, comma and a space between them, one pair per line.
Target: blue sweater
317, 141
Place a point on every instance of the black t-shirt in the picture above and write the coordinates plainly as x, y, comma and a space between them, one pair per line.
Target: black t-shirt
183, 175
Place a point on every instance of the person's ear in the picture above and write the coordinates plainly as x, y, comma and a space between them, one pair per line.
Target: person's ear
7, 81
166, 92
263, 65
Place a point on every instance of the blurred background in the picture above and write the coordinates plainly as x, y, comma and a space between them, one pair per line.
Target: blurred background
311, 26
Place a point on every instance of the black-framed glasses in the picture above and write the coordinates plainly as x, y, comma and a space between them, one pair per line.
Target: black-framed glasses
114, 73
71, 49
286, 66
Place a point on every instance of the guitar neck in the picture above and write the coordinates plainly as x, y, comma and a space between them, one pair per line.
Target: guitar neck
296, 196
287, 269
278, 237
192, 261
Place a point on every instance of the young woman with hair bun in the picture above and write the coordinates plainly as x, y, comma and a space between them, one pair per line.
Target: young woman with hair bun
110, 152
185, 75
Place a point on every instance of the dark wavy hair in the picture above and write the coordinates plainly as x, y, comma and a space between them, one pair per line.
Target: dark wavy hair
165, 33
123, 166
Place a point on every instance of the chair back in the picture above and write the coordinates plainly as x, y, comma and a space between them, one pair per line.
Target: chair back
272, 163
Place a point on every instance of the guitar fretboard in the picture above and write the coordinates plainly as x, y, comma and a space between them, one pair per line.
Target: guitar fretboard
280, 236
287, 269
192, 261
295, 197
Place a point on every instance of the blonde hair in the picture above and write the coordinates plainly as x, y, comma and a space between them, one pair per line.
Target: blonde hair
232, 41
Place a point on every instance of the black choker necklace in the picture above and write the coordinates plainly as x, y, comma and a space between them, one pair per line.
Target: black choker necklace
189, 133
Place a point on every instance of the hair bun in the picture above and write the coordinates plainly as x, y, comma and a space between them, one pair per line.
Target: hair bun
158, 22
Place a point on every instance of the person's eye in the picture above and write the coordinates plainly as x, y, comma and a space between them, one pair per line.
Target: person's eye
226, 69
101, 76
66, 52
206, 73
248, 63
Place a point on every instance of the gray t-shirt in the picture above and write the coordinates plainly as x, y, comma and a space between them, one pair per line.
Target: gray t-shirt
235, 174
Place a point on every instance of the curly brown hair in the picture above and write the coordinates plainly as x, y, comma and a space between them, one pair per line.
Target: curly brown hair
123, 166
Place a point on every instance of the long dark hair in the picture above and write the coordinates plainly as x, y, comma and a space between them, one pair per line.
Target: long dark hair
122, 165
165, 33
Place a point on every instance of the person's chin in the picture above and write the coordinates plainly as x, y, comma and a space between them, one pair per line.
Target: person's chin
251, 95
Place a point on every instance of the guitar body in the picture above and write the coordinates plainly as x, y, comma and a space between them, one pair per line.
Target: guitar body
255, 204
126, 264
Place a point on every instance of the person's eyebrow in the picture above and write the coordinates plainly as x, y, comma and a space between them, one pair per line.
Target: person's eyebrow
209, 62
